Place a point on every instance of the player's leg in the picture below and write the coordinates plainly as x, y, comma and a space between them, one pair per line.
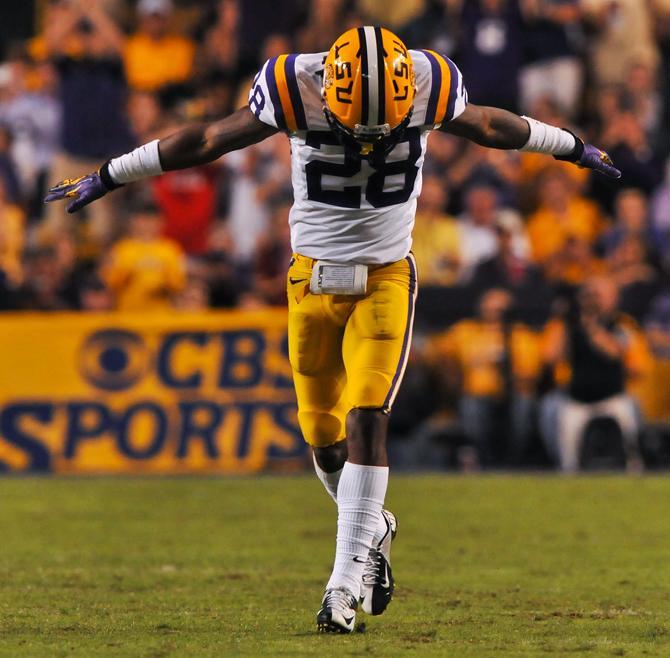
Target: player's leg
375, 348
316, 330
315, 354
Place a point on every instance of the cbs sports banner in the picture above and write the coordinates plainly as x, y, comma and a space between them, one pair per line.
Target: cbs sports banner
173, 393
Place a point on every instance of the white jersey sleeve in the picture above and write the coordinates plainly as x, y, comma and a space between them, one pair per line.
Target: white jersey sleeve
441, 94
275, 96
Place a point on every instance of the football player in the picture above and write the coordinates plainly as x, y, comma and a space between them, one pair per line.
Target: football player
358, 119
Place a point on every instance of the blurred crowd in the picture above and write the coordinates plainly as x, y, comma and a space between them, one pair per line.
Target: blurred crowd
545, 305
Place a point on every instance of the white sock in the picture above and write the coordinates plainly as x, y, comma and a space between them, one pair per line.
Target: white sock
330, 482
360, 498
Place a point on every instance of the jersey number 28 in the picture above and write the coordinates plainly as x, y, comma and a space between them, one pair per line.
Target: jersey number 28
350, 195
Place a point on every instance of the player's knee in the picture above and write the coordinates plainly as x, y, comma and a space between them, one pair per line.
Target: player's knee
331, 458
320, 428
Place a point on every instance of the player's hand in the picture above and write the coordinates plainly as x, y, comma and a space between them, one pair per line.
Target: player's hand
590, 157
81, 191
593, 158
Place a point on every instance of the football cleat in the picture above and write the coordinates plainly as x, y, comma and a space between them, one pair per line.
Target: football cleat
377, 586
338, 611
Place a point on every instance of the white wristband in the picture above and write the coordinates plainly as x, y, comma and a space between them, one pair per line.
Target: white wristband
548, 139
144, 161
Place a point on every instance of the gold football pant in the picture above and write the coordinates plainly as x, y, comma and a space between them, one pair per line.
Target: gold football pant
347, 351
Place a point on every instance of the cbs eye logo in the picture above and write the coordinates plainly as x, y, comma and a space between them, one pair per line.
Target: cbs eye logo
114, 359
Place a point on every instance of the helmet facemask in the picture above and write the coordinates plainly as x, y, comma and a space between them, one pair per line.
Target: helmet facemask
372, 144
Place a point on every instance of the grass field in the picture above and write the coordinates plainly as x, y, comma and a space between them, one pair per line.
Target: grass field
485, 566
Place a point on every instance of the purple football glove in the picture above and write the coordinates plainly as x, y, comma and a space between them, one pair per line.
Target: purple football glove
82, 191
591, 157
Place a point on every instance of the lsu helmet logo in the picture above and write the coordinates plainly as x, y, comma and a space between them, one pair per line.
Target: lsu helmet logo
113, 359
328, 76
369, 88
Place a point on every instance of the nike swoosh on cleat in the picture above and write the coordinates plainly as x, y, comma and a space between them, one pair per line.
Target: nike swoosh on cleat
294, 281
359, 560
387, 583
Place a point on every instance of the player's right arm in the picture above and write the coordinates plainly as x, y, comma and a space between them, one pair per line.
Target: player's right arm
191, 146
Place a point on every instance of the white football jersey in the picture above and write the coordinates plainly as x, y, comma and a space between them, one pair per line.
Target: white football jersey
344, 209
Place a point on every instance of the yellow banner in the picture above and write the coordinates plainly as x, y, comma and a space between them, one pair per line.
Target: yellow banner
134, 393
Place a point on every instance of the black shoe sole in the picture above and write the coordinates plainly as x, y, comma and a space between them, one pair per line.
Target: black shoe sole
330, 627
325, 625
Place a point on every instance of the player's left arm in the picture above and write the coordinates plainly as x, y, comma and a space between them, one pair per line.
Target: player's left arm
500, 129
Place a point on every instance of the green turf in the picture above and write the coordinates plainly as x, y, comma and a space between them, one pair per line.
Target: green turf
485, 566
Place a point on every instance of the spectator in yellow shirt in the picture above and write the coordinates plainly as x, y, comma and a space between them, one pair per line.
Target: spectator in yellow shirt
562, 216
494, 366
154, 57
145, 270
436, 239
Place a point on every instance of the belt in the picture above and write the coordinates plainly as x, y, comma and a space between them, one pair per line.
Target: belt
310, 262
